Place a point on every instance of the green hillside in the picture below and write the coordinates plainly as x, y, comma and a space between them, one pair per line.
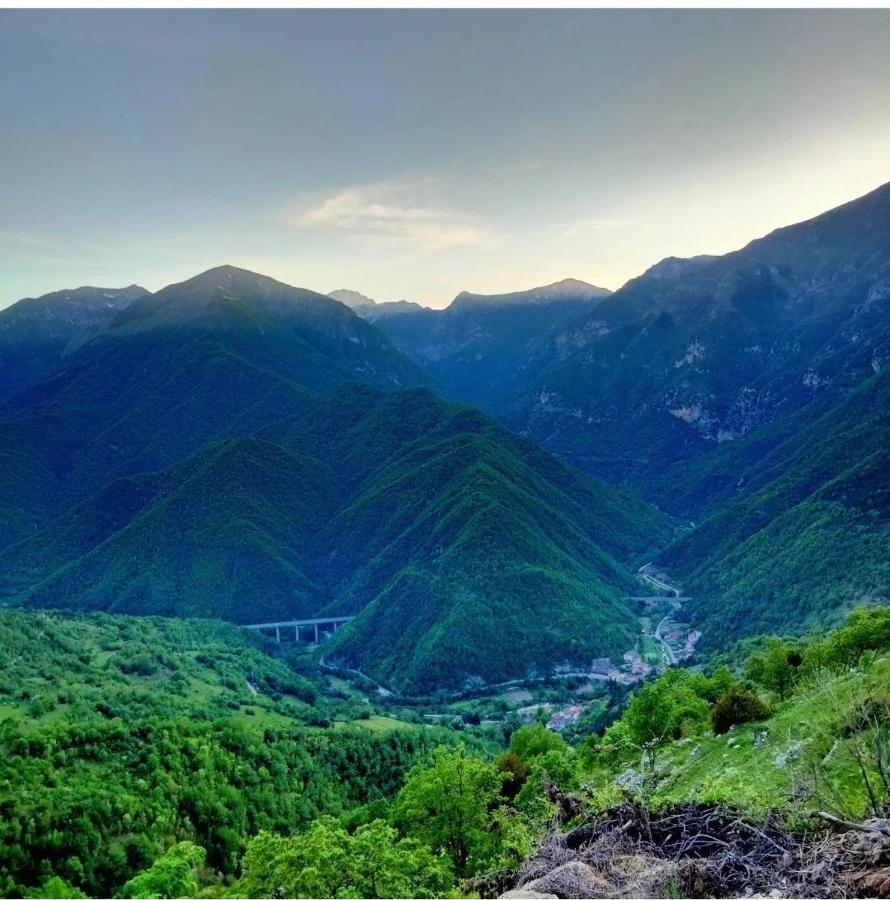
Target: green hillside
812, 742
64, 670
462, 548
463, 545
807, 535
121, 736
159, 757
223, 534
470, 555
219, 355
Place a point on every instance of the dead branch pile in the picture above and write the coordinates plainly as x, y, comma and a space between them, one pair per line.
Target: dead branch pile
866, 851
693, 850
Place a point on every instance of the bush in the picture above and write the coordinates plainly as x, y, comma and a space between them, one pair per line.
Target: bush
737, 706
515, 771
141, 663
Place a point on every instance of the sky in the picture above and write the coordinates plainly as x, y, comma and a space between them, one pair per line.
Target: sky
416, 154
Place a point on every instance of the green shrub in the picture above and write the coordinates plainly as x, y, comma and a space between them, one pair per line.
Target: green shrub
142, 663
737, 706
515, 771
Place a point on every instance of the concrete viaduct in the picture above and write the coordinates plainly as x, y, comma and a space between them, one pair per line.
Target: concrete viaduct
320, 628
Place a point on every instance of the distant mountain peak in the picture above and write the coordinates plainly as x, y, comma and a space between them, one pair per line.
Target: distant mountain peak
566, 289
37, 332
677, 266
352, 299
192, 297
85, 297
573, 286
226, 276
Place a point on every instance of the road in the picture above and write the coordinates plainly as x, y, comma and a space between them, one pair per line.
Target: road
674, 594
672, 657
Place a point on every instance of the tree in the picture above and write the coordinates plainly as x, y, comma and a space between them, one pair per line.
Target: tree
864, 629
171, 875
712, 687
773, 668
56, 888
326, 861
656, 714
535, 740
515, 771
381, 865
451, 807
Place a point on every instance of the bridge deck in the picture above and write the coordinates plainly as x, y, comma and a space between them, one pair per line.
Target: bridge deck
295, 623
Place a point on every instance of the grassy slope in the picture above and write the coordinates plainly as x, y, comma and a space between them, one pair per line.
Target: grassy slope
58, 669
776, 771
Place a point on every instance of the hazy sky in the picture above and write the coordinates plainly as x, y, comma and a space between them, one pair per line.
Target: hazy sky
416, 154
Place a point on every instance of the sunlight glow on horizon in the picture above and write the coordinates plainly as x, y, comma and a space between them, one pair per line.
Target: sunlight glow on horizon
148, 146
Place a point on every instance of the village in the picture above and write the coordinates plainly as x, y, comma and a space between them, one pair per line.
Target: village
566, 700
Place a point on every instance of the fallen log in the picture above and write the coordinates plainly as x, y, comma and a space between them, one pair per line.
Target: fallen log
845, 825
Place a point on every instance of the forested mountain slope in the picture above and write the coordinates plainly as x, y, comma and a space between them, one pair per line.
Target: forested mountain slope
121, 736
222, 534
468, 543
463, 547
805, 533
219, 355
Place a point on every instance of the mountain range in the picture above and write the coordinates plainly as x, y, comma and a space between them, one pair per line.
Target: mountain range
234, 447
223, 448
479, 347
218, 355
697, 353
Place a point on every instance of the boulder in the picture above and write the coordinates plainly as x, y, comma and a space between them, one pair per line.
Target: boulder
526, 894
571, 880
645, 876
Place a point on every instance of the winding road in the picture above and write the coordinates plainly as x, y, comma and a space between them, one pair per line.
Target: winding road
672, 657
674, 594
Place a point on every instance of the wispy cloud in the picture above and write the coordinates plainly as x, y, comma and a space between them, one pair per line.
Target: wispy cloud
569, 229
25, 239
406, 213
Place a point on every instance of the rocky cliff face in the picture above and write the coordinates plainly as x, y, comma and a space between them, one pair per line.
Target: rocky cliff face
702, 351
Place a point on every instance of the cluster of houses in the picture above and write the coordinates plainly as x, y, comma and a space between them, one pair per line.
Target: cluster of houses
681, 641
